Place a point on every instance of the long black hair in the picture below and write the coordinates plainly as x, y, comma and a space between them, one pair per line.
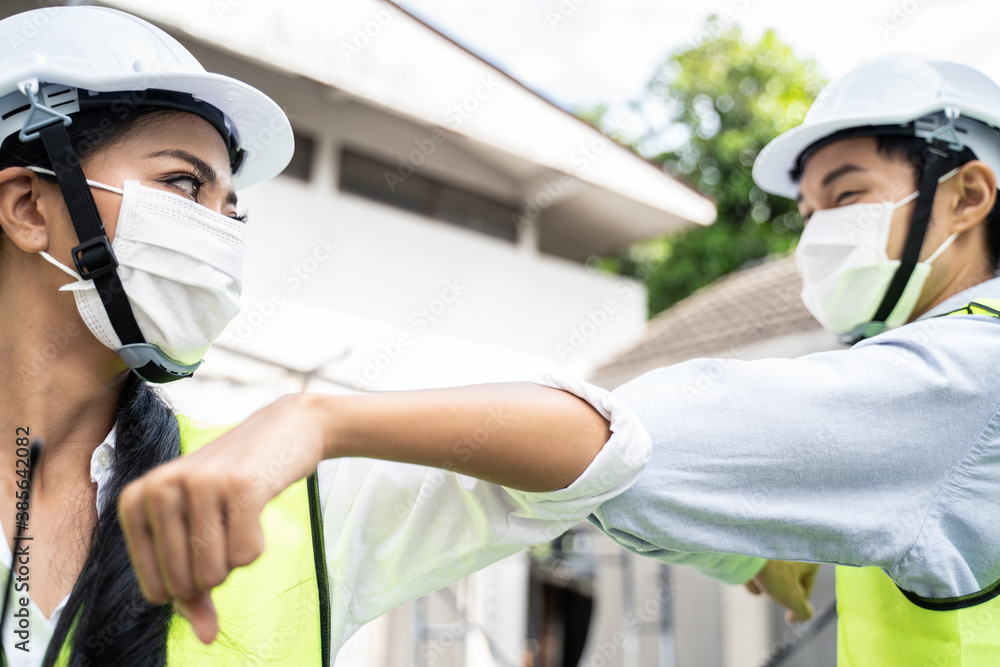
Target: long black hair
107, 619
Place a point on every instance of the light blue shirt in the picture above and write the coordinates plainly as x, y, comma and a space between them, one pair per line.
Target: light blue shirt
885, 454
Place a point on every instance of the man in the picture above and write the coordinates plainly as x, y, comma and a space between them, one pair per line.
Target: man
885, 456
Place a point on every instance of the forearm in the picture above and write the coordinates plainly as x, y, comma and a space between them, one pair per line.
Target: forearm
518, 434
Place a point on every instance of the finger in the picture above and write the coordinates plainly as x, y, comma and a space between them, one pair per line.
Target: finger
207, 540
200, 613
139, 539
809, 578
799, 605
245, 538
166, 513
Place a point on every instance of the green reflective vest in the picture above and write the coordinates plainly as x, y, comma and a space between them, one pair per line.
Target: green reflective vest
879, 624
275, 611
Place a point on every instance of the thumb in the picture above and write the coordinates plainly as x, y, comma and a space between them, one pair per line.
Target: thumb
200, 613
799, 607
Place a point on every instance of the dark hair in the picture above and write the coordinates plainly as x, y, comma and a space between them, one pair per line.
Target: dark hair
911, 150
111, 622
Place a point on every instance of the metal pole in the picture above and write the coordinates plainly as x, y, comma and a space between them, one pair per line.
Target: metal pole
806, 632
668, 645
419, 630
630, 651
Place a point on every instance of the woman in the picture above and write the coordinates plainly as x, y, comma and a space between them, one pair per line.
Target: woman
118, 161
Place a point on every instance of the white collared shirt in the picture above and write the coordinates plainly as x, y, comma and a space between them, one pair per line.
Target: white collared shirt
455, 524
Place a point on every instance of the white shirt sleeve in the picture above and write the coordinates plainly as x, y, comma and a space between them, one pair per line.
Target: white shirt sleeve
886, 455
394, 531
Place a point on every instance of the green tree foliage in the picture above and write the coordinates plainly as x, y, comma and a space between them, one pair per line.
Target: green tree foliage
730, 98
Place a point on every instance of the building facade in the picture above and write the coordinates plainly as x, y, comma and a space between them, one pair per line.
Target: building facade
432, 230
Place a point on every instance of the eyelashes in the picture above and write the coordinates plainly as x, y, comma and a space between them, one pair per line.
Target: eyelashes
197, 183
838, 201
847, 193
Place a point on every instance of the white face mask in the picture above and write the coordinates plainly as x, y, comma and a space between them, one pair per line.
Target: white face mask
845, 271
181, 266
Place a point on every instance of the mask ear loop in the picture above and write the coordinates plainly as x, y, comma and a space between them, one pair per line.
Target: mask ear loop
910, 197
145, 359
93, 184
941, 248
46, 256
59, 265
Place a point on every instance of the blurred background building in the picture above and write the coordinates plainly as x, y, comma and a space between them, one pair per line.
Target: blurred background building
434, 229
754, 313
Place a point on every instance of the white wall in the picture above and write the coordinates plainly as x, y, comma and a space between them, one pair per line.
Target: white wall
380, 298
404, 301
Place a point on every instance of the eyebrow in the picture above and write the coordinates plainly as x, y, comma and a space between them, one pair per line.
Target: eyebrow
200, 165
842, 170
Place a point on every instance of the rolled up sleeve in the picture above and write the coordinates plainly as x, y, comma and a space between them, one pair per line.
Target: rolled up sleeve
394, 531
615, 468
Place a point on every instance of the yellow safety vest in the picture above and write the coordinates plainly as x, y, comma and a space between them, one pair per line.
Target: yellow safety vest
884, 626
275, 611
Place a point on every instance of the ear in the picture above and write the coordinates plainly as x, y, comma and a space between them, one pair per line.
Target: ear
975, 194
23, 210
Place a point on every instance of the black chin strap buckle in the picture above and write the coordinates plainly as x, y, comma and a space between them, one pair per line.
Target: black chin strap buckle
94, 258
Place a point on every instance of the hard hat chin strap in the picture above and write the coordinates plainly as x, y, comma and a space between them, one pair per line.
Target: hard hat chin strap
93, 257
935, 166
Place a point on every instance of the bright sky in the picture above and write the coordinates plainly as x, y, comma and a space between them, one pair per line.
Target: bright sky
579, 53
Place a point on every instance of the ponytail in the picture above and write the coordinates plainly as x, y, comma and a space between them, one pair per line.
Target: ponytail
108, 620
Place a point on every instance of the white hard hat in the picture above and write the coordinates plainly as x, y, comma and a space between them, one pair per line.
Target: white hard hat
907, 95
73, 54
